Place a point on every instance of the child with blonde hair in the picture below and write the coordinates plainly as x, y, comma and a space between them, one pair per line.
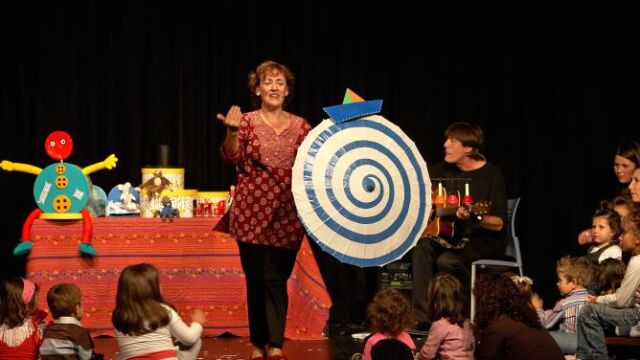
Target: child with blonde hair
524, 284
145, 322
21, 321
573, 276
451, 334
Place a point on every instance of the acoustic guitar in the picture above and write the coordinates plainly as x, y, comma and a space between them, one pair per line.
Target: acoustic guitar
441, 225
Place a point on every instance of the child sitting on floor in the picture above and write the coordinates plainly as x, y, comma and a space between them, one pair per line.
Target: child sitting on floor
451, 334
66, 338
606, 232
21, 322
610, 276
389, 313
145, 323
573, 274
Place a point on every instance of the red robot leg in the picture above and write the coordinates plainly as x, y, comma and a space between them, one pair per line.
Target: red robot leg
26, 227
87, 231
25, 245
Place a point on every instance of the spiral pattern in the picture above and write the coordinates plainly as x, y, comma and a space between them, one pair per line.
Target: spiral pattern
361, 190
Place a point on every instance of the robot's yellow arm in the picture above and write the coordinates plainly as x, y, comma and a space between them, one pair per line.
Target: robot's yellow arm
25, 168
108, 163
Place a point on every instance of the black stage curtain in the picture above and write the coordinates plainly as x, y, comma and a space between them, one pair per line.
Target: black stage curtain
554, 86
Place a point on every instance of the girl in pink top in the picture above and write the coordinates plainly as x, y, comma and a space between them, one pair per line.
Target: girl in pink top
390, 313
451, 334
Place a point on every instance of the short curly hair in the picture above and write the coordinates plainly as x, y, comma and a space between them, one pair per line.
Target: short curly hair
497, 294
578, 269
389, 312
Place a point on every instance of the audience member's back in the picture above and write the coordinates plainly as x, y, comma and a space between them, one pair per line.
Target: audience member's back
391, 349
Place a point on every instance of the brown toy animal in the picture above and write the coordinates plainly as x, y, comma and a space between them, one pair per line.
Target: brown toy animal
155, 185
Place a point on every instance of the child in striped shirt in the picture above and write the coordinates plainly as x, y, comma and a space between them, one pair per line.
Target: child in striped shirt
573, 275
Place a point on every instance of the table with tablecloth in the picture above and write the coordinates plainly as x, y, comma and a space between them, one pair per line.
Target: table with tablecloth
199, 269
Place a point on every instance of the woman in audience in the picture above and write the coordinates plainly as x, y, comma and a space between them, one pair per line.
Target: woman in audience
507, 326
625, 162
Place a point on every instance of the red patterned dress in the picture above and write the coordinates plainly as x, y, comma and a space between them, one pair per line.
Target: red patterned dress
263, 210
22, 342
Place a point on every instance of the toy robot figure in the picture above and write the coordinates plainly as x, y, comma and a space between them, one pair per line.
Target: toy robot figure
61, 190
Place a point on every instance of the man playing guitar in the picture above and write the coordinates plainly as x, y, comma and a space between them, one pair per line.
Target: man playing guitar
484, 235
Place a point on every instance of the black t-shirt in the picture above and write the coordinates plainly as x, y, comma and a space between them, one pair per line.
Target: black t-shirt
485, 183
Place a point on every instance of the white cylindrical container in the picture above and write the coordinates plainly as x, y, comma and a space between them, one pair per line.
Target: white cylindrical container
180, 199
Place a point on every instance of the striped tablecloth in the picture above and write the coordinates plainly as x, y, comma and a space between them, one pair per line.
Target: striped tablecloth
199, 268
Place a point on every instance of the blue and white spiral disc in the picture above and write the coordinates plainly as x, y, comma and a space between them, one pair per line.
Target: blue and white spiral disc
362, 190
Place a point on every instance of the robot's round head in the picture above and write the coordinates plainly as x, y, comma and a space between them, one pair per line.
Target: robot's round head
59, 145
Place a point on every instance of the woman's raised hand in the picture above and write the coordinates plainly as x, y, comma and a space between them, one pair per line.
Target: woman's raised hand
232, 119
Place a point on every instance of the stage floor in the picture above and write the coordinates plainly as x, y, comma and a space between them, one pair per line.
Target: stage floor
239, 348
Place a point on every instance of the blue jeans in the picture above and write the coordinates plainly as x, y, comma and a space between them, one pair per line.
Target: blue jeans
567, 342
593, 320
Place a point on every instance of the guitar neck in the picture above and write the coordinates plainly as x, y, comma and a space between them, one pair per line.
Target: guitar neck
445, 211
478, 208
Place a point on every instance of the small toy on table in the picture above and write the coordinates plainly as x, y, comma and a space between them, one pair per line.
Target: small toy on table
123, 200
167, 211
